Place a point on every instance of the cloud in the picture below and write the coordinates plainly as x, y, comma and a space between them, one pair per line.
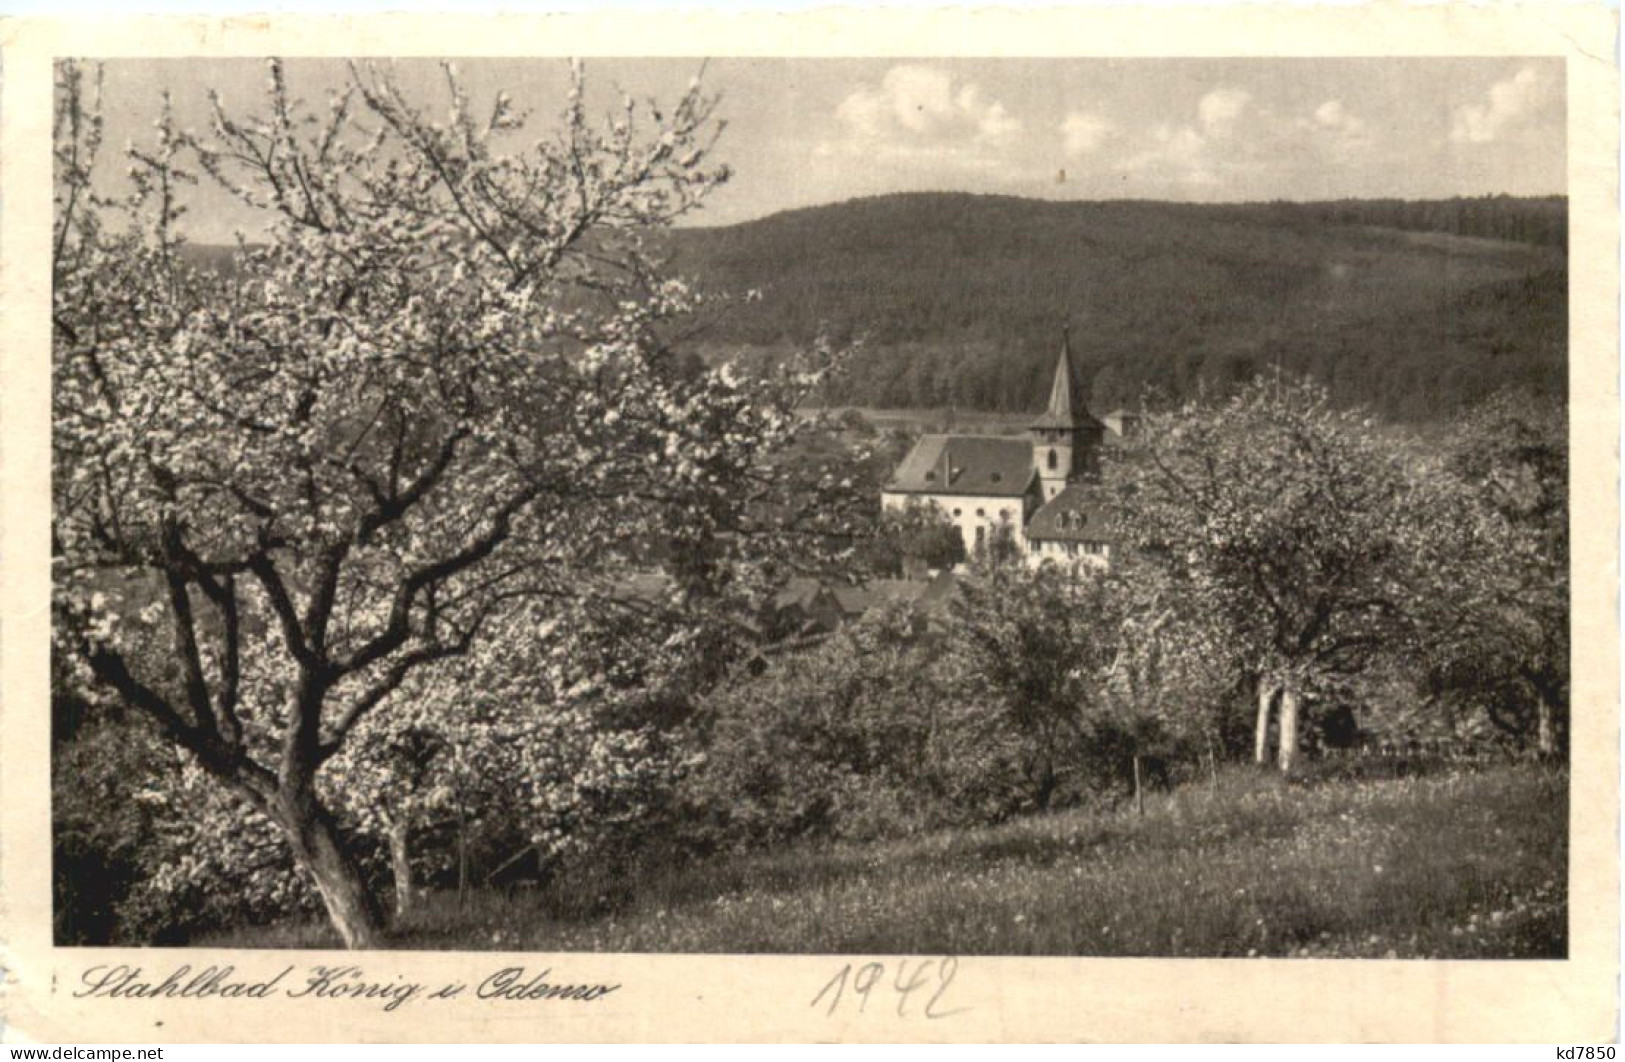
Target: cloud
1199, 154
1233, 142
1218, 111
918, 106
1511, 103
1083, 134
1333, 115
1336, 131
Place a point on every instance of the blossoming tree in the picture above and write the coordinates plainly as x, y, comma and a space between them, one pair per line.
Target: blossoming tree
563, 730
1290, 527
440, 383
1171, 670
1496, 626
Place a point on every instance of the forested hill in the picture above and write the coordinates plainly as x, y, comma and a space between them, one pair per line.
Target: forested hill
1412, 308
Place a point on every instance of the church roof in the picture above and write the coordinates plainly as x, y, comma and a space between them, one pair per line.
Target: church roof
1074, 515
1068, 407
987, 465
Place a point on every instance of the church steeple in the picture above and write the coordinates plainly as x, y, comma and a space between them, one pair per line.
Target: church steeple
1066, 437
1067, 407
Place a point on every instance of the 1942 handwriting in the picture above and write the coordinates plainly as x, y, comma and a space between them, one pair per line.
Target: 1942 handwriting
928, 978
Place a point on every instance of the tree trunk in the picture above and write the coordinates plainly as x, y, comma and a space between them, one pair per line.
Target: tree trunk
353, 910
1261, 738
1545, 727
462, 857
400, 861
1044, 785
1289, 728
1139, 791
1546, 697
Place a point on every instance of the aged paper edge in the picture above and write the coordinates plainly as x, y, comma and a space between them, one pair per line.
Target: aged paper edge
693, 997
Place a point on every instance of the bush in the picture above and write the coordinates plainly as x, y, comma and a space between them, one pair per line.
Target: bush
844, 740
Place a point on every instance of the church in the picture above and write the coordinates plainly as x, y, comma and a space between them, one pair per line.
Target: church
1036, 488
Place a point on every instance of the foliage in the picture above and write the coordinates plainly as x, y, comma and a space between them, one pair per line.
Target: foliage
1013, 702
1170, 686
103, 838
1539, 220
566, 738
604, 699
205, 874
844, 739
1034, 647
1286, 525
915, 538
960, 298
141, 856
1496, 633
444, 384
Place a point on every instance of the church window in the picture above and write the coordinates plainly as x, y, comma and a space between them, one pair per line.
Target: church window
995, 477
980, 512
956, 512
931, 474
1052, 460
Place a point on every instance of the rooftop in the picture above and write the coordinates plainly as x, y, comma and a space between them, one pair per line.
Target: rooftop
988, 465
1074, 515
927, 595
1068, 406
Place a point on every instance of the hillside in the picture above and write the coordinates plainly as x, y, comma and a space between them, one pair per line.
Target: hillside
1459, 864
1413, 308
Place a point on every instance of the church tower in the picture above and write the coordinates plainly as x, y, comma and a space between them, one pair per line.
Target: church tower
1066, 438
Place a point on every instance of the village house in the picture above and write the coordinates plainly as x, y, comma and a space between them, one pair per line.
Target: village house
1036, 489
807, 607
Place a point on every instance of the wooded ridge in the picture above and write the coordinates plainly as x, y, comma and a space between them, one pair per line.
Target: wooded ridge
1413, 308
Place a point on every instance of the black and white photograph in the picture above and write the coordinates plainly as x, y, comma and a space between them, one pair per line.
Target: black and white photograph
1020, 507
835, 526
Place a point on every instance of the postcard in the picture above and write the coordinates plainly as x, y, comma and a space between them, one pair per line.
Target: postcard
932, 525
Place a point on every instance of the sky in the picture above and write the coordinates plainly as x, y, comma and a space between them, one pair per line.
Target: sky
803, 132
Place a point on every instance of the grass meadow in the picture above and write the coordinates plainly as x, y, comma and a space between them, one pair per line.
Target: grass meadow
1452, 862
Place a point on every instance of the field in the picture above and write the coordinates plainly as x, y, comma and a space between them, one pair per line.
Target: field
1444, 863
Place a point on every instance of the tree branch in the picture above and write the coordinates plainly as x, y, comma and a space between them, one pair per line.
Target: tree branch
293, 635
397, 629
